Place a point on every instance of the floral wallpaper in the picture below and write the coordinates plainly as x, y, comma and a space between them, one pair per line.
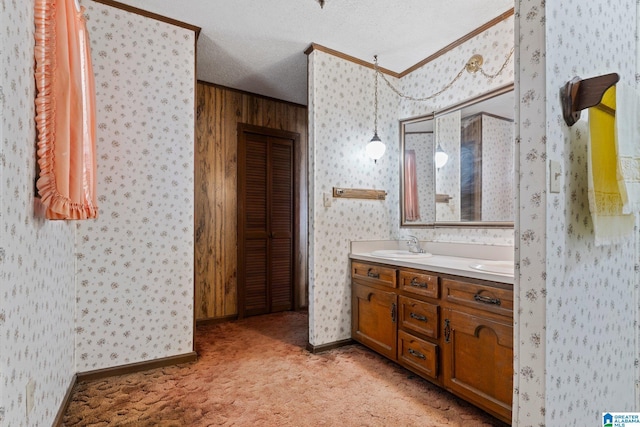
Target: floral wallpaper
37, 293
529, 405
448, 176
591, 292
494, 44
337, 141
422, 145
338, 136
497, 169
135, 262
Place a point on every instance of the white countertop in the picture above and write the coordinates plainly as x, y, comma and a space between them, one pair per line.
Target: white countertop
441, 261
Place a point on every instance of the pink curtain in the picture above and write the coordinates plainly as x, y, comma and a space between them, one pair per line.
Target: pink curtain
411, 207
65, 111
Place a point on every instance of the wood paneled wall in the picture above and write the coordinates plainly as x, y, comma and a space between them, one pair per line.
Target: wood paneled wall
219, 110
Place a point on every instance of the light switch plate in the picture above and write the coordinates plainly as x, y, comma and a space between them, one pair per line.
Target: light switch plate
30, 395
326, 199
555, 176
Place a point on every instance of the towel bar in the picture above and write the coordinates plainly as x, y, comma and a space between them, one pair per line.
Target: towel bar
355, 193
578, 94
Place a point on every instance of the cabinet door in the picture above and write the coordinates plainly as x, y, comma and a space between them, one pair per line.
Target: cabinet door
478, 360
374, 319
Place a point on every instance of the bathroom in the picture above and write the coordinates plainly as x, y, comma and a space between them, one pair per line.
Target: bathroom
572, 298
576, 329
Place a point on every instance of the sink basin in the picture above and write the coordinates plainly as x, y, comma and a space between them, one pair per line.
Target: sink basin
500, 267
399, 254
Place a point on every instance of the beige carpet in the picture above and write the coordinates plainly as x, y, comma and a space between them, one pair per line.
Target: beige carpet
256, 372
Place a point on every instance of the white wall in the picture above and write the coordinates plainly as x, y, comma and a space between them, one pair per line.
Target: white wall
591, 291
340, 126
576, 303
530, 280
448, 176
135, 262
497, 169
494, 44
37, 288
145, 130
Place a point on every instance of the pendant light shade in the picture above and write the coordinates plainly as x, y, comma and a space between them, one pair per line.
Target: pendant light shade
375, 148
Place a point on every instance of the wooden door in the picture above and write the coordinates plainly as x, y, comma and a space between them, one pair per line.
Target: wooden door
471, 169
478, 359
265, 220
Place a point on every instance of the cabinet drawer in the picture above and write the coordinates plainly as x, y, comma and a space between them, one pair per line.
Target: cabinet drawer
418, 316
417, 354
483, 297
373, 274
419, 283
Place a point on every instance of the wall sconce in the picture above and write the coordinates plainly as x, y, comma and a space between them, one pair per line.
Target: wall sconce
375, 147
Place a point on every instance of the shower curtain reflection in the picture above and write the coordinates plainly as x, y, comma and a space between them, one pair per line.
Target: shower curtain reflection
411, 204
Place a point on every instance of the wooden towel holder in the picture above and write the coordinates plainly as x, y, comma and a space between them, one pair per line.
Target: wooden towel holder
578, 94
356, 193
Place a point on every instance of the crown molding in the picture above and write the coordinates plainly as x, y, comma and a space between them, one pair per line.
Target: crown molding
316, 46
444, 50
151, 15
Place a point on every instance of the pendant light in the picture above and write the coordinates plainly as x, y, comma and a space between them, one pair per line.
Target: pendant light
375, 147
440, 157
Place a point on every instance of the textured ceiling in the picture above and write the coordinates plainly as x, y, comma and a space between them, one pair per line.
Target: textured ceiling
258, 46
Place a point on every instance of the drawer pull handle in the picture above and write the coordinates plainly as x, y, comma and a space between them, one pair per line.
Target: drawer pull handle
417, 354
447, 331
373, 274
487, 300
418, 317
416, 284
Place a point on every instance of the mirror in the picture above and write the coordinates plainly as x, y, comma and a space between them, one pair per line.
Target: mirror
473, 184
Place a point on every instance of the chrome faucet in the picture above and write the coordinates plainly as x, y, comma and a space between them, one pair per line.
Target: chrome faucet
414, 245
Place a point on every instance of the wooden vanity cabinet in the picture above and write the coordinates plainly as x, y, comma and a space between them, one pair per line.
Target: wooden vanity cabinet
455, 332
478, 344
374, 307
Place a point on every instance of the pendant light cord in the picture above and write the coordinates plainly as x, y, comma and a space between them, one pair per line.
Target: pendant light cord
375, 119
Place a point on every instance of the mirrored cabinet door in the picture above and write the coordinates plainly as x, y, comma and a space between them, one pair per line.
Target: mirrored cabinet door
457, 167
